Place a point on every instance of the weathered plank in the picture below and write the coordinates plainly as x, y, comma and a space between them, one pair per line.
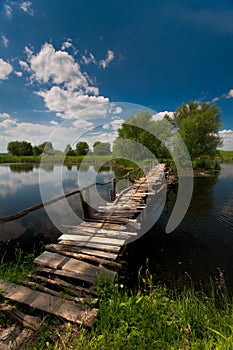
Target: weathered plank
42, 301
67, 274
21, 318
105, 225
92, 239
56, 248
103, 247
86, 271
68, 287
92, 252
102, 232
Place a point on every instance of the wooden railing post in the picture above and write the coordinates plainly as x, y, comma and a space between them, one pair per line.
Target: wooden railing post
113, 190
87, 212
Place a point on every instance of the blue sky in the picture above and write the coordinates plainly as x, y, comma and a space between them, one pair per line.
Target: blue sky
63, 64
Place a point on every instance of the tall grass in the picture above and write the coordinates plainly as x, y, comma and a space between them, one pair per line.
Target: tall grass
225, 155
155, 319
206, 164
18, 267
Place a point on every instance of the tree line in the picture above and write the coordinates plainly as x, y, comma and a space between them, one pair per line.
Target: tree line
24, 148
140, 136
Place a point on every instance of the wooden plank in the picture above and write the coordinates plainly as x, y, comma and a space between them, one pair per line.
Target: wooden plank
48, 303
92, 252
92, 239
67, 274
107, 248
86, 271
104, 225
56, 248
102, 232
92, 224
101, 235
21, 318
58, 282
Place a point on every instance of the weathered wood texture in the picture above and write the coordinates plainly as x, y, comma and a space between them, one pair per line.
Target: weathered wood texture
48, 303
86, 271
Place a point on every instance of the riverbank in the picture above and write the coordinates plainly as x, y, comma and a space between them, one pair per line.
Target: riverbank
5, 158
149, 317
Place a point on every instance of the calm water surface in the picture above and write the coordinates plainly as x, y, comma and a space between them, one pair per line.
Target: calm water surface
19, 189
201, 246
196, 251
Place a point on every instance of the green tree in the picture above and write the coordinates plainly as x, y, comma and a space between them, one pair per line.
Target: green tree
20, 148
45, 147
101, 148
69, 151
82, 148
141, 128
198, 125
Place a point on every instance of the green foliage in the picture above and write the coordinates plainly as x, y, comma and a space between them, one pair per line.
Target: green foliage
225, 155
136, 138
20, 148
153, 320
101, 148
198, 126
206, 164
82, 148
16, 269
69, 152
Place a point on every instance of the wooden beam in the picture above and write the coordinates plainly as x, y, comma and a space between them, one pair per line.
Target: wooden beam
86, 271
103, 247
92, 239
42, 301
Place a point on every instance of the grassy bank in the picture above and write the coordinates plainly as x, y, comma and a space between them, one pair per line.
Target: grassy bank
153, 320
5, 158
151, 317
225, 156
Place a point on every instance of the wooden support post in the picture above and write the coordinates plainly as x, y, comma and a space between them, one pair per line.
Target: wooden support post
113, 190
87, 213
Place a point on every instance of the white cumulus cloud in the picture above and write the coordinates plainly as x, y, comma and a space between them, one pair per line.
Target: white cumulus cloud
8, 10
19, 74
4, 115
5, 41
161, 115
26, 6
71, 104
230, 94
5, 69
109, 58
58, 67
66, 45
227, 136
89, 58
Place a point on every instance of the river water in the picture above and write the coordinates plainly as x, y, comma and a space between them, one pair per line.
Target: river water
200, 249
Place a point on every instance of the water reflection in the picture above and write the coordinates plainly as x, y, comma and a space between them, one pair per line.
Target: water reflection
21, 168
200, 247
202, 198
19, 189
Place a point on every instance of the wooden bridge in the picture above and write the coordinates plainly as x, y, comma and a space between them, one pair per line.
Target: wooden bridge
65, 281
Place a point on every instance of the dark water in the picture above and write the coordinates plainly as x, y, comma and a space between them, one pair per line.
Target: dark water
200, 250
196, 252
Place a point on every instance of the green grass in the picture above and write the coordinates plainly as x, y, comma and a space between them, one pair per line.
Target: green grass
225, 155
151, 317
91, 159
155, 319
20, 265
206, 164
